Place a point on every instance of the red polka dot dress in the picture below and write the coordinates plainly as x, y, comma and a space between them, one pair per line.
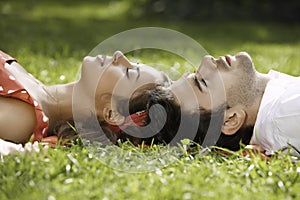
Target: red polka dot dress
10, 87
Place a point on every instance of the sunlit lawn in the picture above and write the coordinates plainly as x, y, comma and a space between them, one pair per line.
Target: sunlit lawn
50, 40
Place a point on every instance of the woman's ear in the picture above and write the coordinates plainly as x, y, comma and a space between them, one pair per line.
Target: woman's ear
234, 119
113, 117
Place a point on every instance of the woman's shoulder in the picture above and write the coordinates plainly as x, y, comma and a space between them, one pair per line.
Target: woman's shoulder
5, 58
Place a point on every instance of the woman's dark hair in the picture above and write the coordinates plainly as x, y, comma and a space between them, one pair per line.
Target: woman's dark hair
65, 131
209, 122
142, 100
145, 101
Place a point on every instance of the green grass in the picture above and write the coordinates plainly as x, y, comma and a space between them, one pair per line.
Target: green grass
50, 39
76, 173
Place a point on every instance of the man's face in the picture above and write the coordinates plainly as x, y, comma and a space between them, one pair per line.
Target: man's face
227, 79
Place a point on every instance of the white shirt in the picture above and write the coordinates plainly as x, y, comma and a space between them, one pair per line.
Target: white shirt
278, 120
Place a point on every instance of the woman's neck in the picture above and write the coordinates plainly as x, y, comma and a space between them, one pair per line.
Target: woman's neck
59, 106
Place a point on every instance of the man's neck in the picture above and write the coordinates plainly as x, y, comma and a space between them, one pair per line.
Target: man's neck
261, 83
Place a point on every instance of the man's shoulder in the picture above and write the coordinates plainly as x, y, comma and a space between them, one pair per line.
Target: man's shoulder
279, 75
281, 97
279, 113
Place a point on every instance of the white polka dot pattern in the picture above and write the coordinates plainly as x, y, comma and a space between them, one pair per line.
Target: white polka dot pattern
12, 77
45, 118
44, 131
10, 87
35, 103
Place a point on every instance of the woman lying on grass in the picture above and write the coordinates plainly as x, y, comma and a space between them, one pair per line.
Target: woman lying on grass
30, 109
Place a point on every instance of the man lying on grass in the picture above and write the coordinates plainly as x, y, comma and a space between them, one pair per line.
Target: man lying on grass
238, 105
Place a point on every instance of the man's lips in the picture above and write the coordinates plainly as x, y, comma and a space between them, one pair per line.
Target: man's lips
228, 60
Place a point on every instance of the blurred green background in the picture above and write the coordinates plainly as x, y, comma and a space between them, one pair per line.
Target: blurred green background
50, 37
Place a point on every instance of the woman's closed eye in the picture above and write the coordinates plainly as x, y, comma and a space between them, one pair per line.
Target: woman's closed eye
135, 68
199, 83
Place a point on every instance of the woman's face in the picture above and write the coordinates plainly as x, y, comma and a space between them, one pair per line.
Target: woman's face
117, 76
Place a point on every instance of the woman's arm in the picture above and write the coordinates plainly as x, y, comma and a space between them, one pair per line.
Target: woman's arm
17, 120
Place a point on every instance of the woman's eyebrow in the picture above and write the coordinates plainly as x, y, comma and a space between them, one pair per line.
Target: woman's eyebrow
165, 77
139, 73
196, 82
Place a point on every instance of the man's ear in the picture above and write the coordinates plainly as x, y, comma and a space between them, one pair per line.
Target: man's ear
234, 119
112, 117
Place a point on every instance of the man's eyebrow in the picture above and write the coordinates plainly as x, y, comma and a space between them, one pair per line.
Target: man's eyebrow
196, 82
127, 72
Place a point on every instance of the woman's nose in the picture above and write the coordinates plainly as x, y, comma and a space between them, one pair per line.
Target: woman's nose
120, 59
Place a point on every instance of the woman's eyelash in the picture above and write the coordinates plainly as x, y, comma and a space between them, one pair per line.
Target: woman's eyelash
203, 81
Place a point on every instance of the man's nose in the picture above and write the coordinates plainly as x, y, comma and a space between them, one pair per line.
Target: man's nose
207, 61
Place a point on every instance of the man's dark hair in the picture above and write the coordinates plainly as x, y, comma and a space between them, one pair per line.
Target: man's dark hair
233, 142
209, 124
